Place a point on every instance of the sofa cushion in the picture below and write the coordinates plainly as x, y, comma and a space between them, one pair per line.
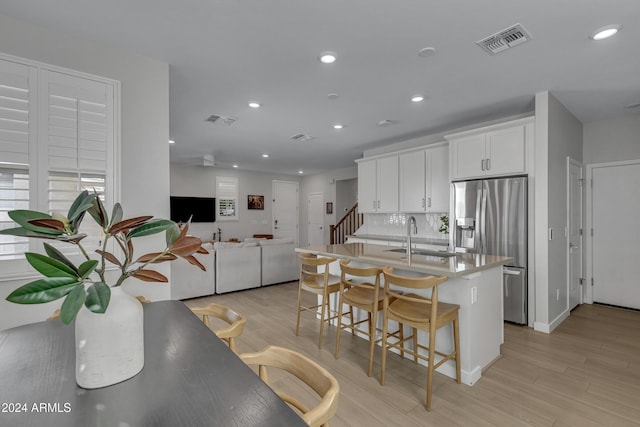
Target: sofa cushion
275, 242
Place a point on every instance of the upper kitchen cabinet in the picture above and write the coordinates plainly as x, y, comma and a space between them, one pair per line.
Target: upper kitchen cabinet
491, 151
424, 180
378, 185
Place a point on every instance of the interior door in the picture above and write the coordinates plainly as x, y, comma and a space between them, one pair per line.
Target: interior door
315, 213
285, 210
574, 236
616, 233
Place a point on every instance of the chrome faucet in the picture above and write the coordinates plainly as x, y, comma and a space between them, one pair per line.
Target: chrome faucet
410, 220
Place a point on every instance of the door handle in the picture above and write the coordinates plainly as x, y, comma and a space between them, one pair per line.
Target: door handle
482, 164
511, 272
429, 202
488, 164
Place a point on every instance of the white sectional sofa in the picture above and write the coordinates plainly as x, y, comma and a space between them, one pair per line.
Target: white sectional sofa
254, 263
237, 266
188, 281
279, 261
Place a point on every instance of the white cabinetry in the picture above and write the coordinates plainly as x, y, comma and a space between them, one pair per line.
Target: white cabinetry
378, 185
491, 151
424, 180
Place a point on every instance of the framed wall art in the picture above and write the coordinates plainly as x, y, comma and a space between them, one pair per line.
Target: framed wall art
255, 202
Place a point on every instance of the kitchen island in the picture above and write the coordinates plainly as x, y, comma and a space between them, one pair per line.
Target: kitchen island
474, 282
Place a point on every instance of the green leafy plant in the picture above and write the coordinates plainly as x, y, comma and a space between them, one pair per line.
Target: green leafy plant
444, 226
62, 278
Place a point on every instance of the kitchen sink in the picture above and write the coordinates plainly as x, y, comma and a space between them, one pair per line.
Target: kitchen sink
428, 252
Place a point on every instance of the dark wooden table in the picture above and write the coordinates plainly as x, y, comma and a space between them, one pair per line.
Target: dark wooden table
190, 378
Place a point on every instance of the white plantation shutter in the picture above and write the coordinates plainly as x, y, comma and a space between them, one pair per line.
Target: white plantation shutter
78, 134
79, 122
17, 142
57, 138
226, 198
17, 111
63, 189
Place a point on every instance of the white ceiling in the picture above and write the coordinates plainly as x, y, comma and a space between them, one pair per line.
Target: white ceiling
222, 54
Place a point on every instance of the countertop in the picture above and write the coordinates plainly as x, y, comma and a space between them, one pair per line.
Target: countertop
420, 240
459, 265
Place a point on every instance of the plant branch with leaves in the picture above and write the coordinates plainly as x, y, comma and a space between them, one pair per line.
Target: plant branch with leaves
85, 284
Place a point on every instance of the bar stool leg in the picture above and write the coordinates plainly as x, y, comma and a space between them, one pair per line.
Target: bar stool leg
339, 325
383, 360
353, 321
325, 298
432, 346
456, 340
415, 345
299, 304
373, 320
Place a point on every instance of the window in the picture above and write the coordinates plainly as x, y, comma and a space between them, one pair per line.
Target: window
227, 198
14, 194
63, 189
57, 138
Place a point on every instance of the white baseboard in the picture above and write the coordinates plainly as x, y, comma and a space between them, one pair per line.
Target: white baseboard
547, 328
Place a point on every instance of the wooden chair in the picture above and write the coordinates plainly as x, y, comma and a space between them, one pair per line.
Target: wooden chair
319, 283
418, 312
307, 371
235, 321
365, 295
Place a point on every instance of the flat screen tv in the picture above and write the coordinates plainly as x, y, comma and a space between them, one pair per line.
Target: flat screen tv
200, 209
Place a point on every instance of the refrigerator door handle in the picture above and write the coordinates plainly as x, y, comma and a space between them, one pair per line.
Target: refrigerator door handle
479, 219
483, 218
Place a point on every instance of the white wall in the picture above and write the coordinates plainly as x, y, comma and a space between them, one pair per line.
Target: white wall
558, 134
346, 196
322, 183
612, 140
199, 181
144, 135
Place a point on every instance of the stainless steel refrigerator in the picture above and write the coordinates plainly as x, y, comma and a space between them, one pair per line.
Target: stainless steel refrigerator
490, 217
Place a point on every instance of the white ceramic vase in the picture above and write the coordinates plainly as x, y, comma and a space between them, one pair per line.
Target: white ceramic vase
110, 346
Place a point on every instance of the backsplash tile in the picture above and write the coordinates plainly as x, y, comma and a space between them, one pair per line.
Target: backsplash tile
395, 224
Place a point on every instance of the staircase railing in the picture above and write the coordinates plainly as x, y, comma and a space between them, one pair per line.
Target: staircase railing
348, 225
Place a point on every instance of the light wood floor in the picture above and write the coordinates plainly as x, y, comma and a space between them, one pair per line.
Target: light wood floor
585, 373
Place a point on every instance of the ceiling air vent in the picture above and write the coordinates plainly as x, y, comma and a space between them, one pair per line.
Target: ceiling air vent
505, 39
225, 120
301, 137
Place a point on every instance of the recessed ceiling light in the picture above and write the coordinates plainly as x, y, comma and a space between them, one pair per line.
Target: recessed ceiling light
333, 96
254, 104
605, 32
426, 52
265, 155
417, 98
235, 166
338, 126
300, 171
327, 57
171, 141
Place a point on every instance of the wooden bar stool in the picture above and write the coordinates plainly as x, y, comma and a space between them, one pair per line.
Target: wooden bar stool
427, 314
363, 294
234, 320
319, 283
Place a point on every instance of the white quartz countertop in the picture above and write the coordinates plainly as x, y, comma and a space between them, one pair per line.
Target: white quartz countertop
459, 265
